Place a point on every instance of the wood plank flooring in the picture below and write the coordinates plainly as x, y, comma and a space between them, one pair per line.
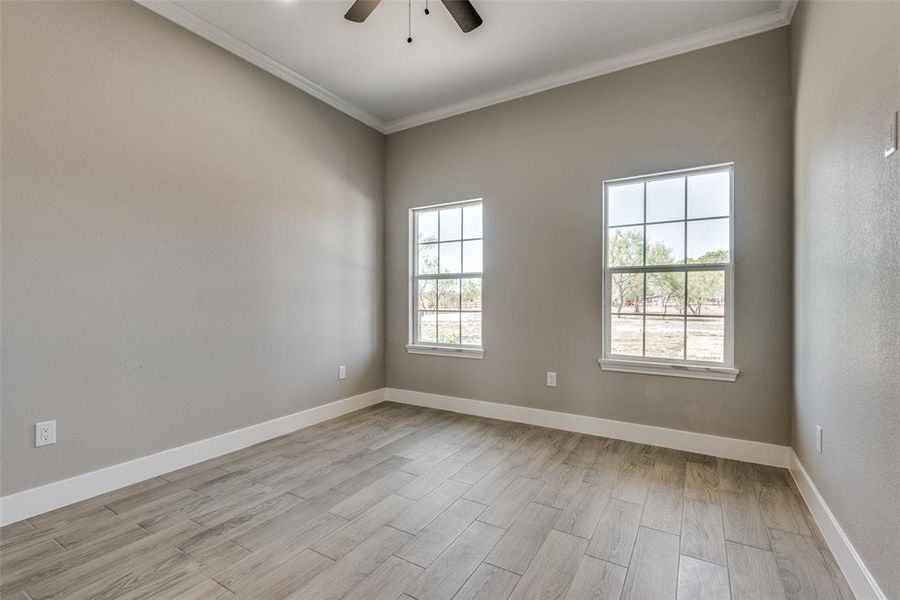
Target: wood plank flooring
401, 502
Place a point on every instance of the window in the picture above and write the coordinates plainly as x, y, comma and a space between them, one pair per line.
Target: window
668, 273
446, 249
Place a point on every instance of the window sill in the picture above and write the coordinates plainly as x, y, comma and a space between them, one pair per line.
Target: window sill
445, 351
669, 370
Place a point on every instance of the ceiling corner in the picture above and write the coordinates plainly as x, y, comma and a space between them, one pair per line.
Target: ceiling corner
759, 23
788, 8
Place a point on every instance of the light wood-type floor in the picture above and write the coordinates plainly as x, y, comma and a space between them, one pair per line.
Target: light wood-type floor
404, 502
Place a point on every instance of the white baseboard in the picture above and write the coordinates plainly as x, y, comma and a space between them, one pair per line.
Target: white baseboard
35, 501
858, 576
701, 443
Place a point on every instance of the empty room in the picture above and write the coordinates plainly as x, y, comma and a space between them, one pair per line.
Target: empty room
449, 299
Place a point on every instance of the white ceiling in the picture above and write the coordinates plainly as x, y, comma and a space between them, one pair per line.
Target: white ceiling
369, 71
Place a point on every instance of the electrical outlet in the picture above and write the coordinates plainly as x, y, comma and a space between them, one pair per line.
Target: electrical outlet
44, 433
551, 378
342, 372
819, 439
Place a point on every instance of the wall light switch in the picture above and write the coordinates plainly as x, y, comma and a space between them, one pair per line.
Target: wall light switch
342, 372
890, 135
551, 378
44, 433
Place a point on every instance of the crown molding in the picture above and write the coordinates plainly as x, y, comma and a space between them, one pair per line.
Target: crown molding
710, 37
703, 39
190, 21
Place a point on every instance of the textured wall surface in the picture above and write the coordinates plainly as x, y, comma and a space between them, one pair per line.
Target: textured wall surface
190, 245
539, 163
846, 58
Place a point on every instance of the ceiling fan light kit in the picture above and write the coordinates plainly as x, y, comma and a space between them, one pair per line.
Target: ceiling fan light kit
462, 12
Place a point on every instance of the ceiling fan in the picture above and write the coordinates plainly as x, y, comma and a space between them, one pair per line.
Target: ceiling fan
462, 12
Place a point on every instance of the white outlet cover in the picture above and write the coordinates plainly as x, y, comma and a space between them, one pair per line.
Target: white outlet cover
818, 439
44, 433
342, 372
551, 378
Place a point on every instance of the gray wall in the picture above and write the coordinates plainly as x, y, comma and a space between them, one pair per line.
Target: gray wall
189, 244
538, 162
847, 270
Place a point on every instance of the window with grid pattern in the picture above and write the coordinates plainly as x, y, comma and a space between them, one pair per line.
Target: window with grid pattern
447, 276
668, 268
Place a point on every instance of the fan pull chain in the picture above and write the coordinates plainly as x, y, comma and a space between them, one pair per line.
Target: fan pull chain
426, 8
409, 22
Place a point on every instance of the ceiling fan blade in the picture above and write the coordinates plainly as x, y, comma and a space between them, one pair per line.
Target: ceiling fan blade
360, 10
464, 14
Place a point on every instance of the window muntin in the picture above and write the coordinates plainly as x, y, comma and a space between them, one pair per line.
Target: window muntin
447, 275
668, 268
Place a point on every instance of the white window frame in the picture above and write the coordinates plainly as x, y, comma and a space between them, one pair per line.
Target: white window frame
724, 371
437, 349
